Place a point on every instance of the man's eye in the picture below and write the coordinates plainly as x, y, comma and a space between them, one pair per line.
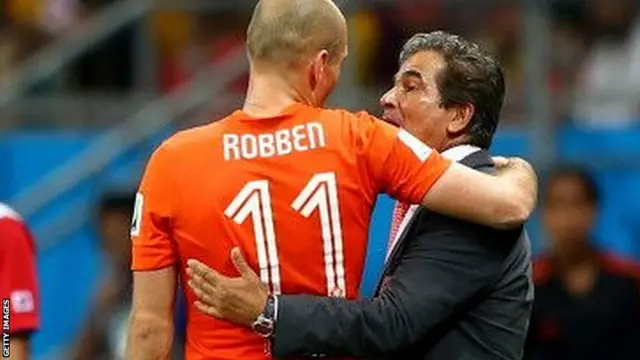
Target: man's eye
409, 88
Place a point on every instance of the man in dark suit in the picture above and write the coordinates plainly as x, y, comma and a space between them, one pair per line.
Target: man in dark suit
450, 290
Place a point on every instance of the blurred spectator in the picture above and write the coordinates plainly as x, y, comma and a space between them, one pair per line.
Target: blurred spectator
58, 16
109, 67
8, 52
18, 285
608, 88
104, 335
500, 34
587, 304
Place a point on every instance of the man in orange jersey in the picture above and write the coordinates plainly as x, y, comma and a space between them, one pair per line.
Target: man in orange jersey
291, 184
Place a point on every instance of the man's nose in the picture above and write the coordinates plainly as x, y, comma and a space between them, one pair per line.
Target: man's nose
388, 100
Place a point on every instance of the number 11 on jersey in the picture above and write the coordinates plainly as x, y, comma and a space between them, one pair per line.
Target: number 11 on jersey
321, 193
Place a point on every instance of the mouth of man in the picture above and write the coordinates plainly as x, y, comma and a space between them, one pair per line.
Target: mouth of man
391, 119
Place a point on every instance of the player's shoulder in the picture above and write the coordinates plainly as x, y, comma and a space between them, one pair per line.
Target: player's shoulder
13, 227
620, 265
7, 213
357, 124
186, 140
346, 115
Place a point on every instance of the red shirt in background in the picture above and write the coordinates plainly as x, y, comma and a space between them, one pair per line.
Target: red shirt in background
18, 271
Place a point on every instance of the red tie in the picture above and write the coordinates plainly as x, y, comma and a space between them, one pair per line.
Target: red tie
399, 212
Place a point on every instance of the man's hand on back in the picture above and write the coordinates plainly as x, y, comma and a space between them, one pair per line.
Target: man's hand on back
240, 300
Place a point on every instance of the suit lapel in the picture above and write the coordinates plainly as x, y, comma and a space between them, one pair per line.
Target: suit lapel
396, 250
466, 155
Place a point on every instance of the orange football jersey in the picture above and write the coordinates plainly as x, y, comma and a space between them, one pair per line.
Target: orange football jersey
295, 192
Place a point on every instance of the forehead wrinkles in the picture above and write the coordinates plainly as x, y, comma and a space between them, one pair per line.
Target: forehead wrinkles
428, 63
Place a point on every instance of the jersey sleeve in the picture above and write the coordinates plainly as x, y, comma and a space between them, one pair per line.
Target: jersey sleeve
18, 277
152, 242
396, 162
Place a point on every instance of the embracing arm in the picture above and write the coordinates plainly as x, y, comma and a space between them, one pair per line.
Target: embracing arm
402, 166
459, 265
151, 322
503, 201
154, 259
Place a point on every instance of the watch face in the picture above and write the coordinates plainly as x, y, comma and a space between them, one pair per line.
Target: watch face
263, 327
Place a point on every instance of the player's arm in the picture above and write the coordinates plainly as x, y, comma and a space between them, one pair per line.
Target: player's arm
19, 346
154, 259
503, 201
151, 323
399, 164
18, 285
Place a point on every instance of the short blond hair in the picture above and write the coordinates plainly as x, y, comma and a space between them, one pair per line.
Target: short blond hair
286, 32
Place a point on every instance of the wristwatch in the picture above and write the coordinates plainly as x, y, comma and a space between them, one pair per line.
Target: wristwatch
264, 324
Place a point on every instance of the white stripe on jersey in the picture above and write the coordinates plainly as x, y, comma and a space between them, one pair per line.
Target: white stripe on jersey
421, 150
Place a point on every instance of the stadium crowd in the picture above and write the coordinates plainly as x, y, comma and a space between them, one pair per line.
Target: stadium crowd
593, 68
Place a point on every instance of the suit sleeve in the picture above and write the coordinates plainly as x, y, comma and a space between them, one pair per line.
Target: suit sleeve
396, 162
18, 277
152, 242
440, 272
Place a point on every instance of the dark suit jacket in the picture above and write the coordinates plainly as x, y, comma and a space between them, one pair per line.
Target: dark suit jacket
451, 290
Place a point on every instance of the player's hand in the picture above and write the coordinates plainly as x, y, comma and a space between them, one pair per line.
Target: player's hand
519, 172
500, 162
240, 300
504, 164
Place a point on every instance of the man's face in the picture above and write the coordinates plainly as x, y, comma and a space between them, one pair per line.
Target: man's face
414, 101
568, 214
114, 229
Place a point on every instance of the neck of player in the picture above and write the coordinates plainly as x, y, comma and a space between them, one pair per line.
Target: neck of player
270, 93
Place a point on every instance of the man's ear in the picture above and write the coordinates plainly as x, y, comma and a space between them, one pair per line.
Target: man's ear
462, 118
318, 67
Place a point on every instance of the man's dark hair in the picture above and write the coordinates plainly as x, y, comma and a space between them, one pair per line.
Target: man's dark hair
116, 201
471, 76
589, 185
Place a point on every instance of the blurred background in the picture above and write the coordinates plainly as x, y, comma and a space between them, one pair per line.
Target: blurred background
88, 88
